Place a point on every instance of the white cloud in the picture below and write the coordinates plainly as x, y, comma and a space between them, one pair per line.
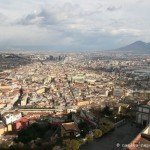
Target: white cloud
126, 31
78, 24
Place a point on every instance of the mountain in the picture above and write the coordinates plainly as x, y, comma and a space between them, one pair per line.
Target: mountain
138, 46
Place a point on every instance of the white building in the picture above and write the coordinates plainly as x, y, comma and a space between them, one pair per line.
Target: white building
24, 100
11, 117
143, 115
118, 92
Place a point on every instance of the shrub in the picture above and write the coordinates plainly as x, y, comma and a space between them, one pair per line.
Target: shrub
106, 126
97, 133
89, 138
71, 144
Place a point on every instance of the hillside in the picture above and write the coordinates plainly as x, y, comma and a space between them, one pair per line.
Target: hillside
138, 46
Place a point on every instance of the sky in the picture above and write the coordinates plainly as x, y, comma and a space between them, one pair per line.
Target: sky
73, 24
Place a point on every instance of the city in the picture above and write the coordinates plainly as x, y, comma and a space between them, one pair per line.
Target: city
74, 97
74, 75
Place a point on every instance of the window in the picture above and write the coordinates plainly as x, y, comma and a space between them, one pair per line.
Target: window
140, 108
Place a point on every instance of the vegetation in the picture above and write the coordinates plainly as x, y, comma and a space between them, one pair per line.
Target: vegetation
71, 144
15, 146
33, 132
89, 138
0, 117
44, 117
106, 126
97, 133
84, 128
69, 117
106, 111
57, 147
4, 146
19, 146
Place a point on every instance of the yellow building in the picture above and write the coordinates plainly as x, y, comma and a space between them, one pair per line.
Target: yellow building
5, 87
82, 103
3, 129
40, 91
9, 127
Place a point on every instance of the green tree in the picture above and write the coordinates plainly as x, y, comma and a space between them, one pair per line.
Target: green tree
106, 126
89, 138
56, 148
19, 146
106, 111
97, 133
4, 146
71, 144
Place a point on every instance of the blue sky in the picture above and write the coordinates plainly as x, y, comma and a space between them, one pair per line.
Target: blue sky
74, 24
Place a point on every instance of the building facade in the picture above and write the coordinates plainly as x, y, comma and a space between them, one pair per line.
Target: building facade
143, 115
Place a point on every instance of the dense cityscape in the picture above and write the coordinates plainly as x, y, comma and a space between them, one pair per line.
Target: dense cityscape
74, 75
68, 100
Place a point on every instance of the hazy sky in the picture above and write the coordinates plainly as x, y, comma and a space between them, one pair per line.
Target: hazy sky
74, 24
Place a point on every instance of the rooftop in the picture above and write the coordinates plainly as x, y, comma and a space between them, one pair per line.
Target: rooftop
70, 126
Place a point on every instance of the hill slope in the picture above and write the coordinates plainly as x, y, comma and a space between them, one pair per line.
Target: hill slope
138, 46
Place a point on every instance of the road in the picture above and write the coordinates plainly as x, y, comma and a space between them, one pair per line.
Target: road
114, 140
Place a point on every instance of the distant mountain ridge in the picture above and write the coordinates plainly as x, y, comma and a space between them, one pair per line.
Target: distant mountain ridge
138, 46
